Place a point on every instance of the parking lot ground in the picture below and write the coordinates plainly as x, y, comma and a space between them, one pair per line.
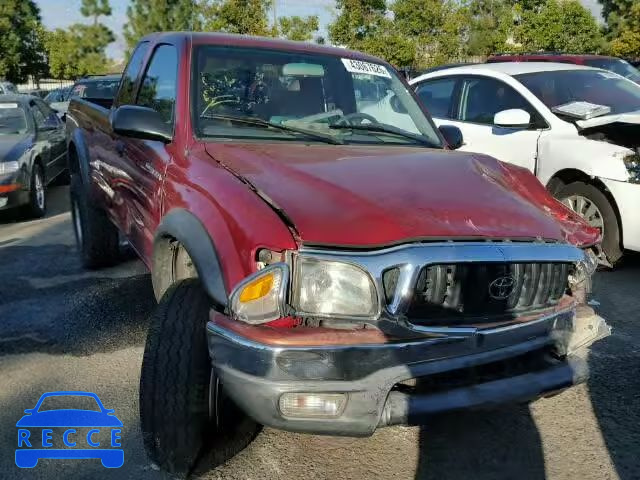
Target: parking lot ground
62, 328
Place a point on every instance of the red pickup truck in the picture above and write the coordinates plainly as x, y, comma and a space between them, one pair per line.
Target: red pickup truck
323, 258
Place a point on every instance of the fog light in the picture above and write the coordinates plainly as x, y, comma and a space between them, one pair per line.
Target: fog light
313, 405
3, 201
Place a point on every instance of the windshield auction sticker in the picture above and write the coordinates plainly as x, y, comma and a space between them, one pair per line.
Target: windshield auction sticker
358, 66
8, 105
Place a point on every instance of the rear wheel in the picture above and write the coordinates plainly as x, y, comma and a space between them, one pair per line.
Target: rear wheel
183, 409
593, 205
96, 237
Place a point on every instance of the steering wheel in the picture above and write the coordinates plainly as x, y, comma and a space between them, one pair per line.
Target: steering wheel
356, 118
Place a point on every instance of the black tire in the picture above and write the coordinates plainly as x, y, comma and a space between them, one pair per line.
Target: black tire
611, 241
37, 207
180, 416
96, 237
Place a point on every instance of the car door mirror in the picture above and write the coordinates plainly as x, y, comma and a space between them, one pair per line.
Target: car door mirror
452, 135
140, 122
512, 118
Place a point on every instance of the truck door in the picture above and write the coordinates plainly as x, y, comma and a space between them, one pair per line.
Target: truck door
147, 160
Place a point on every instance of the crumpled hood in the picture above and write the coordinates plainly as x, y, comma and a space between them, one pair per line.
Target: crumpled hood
373, 196
630, 118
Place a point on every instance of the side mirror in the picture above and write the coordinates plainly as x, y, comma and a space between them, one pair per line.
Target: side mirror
513, 118
452, 135
140, 122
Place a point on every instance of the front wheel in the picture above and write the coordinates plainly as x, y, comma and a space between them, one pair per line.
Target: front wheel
183, 408
37, 196
593, 205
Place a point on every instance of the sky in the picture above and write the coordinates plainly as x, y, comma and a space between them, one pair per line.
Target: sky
62, 13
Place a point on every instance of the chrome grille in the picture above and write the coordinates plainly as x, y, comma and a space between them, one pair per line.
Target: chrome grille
450, 294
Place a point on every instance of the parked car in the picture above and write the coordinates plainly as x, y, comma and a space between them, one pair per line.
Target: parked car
58, 99
32, 152
36, 92
534, 115
7, 88
99, 88
613, 64
334, 251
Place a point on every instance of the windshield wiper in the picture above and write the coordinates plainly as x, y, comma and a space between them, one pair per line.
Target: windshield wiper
384, 128
264, 123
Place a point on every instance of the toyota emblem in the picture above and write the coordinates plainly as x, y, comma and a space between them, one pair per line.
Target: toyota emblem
501, 288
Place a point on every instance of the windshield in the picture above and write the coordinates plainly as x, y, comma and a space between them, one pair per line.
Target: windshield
281, 95
616, 65
59, 95
593, 86
12, 119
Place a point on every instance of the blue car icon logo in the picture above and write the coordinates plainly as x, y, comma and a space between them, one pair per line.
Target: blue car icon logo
92, 431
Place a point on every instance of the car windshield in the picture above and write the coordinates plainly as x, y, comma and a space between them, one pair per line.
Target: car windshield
59, 95
617, 65
66, 402
101, 89
593, 86
264, 94
12, 119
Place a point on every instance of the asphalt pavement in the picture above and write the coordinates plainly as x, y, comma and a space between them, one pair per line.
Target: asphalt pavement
62, 328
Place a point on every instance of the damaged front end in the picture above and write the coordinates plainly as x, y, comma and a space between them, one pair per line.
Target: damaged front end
349, 336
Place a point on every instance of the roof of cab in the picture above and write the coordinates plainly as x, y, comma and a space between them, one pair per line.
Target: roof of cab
248, 41
17, 97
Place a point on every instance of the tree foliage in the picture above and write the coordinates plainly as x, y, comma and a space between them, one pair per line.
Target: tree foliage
615, 13
561, 26
491, 23
627, 43
248, 17
147, 16
80, 50
21, 35
95, 9
298, 28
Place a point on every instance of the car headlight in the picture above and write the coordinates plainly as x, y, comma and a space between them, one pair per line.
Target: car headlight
632, 162
261, 297
330, 288
9, 167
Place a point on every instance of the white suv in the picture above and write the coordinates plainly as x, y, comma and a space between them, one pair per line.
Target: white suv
577, 128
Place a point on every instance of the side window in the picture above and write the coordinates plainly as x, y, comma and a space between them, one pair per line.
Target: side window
160, 82
126, 95
482, 98
38, 116
437, 96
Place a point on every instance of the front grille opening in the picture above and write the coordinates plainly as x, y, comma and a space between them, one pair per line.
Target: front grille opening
454, 294
529, 362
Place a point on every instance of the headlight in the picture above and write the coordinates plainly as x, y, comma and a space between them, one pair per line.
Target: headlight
632, 162
9, 167
333, 288
261, 297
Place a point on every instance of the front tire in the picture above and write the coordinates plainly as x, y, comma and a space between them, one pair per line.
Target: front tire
593, 205
182, 407
97, 238
37, 207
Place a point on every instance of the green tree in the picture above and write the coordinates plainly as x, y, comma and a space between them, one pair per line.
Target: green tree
561, 26
80, 50
615, 13
439, 28
357, 20
298, 28
148, 16
21, 49
95, 9
247, 17
490, 24
627, 43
